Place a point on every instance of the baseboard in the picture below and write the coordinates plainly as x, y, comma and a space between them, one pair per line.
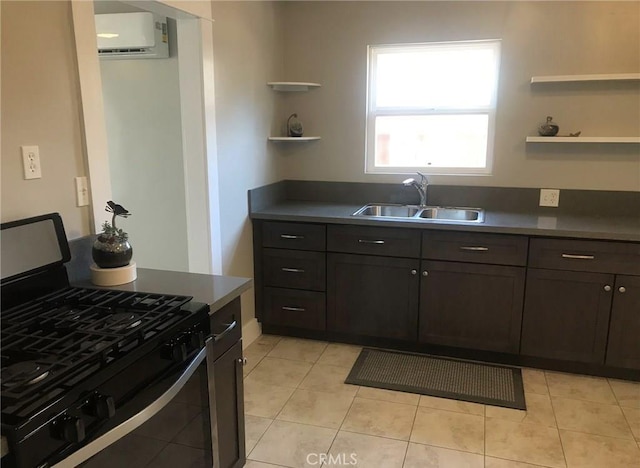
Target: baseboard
250, 332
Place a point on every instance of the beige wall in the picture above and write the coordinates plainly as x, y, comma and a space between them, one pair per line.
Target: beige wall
40, 106
247, 51
327, 42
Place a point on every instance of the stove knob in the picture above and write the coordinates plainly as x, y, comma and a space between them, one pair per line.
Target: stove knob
101, 406
197, 339
69, 428
175, 351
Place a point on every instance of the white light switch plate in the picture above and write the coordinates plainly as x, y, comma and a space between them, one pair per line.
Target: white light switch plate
549, 197
82, 191
31, 162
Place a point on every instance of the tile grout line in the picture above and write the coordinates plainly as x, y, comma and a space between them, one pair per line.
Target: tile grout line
265, 431
259, 438
340, 426
297, 387
553, 409
272, 419
633, 434
413, 423
484, 433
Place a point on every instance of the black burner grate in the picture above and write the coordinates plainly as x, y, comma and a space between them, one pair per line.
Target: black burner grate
76, 331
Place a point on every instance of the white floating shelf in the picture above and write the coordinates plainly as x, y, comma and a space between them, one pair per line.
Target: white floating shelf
294, 139
292, 85
541, 139
576, 78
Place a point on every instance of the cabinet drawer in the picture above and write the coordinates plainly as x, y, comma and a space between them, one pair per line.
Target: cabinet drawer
226, 328
496, 249
295, 269
374, 241
294, 308
579, 255
298, 236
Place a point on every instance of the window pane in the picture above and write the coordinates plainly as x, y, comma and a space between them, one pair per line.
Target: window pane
437, 77
432, 141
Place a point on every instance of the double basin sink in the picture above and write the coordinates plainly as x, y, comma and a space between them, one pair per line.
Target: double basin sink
424, 213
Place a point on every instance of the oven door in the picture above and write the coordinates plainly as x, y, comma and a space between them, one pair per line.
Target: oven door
171, 429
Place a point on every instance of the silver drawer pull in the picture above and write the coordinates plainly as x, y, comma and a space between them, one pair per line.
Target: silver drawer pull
294, 309
292, 270
579, 257
474, 248
365, 241
290, 236
230, 326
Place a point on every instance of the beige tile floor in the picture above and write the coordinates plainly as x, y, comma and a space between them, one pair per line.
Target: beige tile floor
299, 413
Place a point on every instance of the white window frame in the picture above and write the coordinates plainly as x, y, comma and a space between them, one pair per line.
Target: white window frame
372, 111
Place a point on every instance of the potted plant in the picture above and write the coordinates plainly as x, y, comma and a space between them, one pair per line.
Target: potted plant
111, 248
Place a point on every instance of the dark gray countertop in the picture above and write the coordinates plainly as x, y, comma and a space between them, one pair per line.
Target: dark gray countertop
217, 291
620, 228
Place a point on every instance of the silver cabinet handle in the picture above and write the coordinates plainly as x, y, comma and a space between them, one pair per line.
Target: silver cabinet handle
292, 270
242, 361
622, 289
425, 273
607, 288
229, 326
414, 272
290, 236
474, 248
294, 309
578, 257
365, 241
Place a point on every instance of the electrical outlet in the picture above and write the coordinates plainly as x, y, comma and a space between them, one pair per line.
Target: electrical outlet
549, 197
31, 162
82, 191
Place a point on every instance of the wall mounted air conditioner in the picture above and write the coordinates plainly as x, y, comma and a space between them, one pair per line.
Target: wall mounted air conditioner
132, 35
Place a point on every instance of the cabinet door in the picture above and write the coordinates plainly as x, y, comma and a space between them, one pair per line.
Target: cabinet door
471, 305
566, 315
373, 296
623, 349
226, 406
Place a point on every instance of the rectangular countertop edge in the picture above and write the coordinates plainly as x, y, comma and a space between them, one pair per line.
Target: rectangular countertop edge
220, 303
452, 226
201, 286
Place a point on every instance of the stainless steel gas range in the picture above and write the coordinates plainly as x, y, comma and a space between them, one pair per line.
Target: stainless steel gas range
83, 367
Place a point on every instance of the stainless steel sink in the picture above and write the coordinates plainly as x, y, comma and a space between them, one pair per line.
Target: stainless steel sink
422, 213
388, 211
453, 214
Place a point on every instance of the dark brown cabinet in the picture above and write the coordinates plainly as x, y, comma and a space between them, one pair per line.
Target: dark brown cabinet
372, 296
471, 297
574, 308
623, 349
471, 305
573, 301
290, 266
227, 409
566, 315
226, 391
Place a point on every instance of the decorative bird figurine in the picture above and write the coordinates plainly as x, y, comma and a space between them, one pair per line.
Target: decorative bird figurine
117, 210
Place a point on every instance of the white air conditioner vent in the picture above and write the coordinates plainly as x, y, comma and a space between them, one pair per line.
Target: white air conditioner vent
132, 35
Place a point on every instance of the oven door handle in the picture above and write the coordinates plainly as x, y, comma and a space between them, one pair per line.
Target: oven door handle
124, 428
